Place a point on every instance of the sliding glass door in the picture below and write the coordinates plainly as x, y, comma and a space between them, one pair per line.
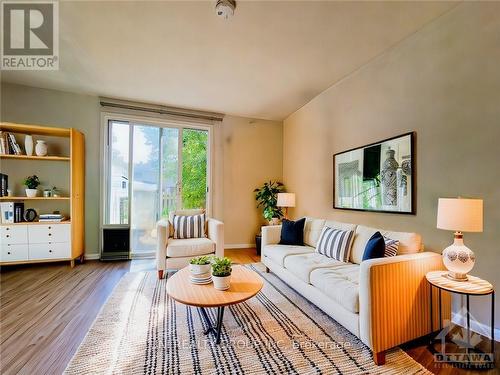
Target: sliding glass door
152, 171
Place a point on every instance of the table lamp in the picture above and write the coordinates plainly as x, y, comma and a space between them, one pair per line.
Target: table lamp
459, 215
286, 200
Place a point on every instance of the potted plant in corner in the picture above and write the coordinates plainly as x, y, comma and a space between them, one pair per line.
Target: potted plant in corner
267, 198
31, 183
221, 273
199, 265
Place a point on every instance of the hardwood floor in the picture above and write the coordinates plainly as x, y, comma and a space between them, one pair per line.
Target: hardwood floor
46, 310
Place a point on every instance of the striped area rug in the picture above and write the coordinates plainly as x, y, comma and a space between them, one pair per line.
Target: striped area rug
140, 330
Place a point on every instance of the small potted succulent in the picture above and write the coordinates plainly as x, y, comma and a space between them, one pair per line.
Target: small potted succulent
221, 273
31, 183
199, 265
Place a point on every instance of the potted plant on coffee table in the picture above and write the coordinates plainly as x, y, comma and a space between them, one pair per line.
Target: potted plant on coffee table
221, 273
267, 198
31, 183
199, 265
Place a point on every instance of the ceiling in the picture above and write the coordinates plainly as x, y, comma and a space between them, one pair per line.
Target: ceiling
267, 61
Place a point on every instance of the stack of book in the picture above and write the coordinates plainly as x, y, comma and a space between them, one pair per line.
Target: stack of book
54, 218
8, 144
11, 212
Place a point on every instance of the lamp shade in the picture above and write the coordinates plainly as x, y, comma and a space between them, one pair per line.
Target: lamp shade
286, 200
460, 214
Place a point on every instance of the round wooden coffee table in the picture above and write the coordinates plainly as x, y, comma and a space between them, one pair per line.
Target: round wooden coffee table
245, 284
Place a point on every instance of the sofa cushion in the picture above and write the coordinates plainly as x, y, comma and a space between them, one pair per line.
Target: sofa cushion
292, 232
340, 283
278, 253
409, 243
391, 247
339, 225
312, 230
177, 248
303, 264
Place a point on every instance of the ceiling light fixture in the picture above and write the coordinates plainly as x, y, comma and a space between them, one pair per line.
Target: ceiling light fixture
225, 8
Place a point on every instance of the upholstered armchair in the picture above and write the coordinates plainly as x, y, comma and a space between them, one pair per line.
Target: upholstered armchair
174, 253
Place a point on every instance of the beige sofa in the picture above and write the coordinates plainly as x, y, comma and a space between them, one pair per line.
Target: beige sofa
384, 302
174, 253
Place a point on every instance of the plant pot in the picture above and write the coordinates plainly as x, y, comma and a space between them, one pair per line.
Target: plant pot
31, 193
221, 282
199, 269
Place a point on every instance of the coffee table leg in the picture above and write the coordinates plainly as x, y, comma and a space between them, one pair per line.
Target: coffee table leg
220, 316
218, 328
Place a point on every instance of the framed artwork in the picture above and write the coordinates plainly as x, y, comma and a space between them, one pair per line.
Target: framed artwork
378, 177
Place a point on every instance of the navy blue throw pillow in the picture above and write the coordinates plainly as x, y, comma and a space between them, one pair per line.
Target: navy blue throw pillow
375, 247
292, 232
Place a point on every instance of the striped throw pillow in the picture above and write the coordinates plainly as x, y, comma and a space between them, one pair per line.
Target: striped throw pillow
391, 247
335, 243
189, 226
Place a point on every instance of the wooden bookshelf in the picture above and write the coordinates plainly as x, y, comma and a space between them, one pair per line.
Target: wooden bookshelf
74, 246
33, 157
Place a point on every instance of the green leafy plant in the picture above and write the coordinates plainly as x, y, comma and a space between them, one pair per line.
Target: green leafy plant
203, 260
221, 267
267, 198
31, 182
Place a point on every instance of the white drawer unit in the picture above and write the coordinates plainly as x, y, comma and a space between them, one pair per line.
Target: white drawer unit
14, 253
49, 233
52, 250
14, 234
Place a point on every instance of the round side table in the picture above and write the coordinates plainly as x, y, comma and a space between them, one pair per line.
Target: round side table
474, 286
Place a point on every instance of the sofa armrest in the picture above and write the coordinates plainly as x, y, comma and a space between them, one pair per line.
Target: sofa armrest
162, 234
271, 235
215, 232
394, 299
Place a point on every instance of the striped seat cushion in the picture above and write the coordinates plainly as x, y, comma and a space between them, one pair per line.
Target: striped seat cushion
391, 247
189, 226
335, 243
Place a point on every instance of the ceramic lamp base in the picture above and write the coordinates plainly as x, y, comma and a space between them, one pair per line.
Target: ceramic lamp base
458, 259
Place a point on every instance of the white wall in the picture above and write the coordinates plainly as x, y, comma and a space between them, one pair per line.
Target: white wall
443, 83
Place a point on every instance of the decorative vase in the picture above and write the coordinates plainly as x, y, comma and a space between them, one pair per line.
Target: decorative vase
31, 193
221, 282
389, 180
199, 269
28, 145
41, 148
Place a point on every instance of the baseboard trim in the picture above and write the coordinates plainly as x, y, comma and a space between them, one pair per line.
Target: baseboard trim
239, 246
92, 256
475, 326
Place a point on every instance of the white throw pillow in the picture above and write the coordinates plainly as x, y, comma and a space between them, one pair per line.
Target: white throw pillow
335, 243
189, 226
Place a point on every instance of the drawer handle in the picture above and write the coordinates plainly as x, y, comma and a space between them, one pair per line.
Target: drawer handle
50, 227
7, 228
50, 251
50, 234
8, 235
8, 252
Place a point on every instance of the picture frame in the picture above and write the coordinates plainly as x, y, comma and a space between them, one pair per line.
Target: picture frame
377, 177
